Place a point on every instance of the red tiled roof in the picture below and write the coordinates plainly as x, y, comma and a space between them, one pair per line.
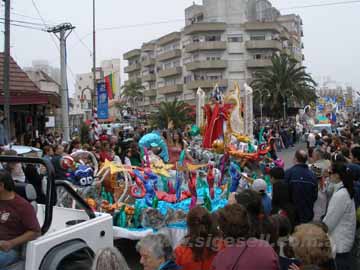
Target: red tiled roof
22, 89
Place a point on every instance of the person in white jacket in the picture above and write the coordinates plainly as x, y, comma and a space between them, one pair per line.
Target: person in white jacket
340, 217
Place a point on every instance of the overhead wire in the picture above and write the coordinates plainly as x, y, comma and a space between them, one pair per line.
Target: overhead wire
25, 26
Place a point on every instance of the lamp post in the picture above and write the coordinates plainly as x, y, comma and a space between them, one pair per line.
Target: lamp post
261, 102
83, 98
284, 100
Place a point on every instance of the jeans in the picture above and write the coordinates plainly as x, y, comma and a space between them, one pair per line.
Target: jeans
8, 258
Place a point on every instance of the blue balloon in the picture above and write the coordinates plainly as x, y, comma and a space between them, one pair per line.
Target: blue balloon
153, 137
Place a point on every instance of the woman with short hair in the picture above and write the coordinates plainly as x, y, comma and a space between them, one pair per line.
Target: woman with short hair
156, 253
109, 259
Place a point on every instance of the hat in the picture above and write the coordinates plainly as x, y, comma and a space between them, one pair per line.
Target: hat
154, 145
259, 185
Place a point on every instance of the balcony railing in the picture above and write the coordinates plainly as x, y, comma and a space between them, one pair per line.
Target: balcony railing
262, 26
263, 44
204, 27
170, 72
148, 78
259, 63
195, 84
148, 62
206, 64
132, 68
170, 89
169, 55
132, 54
175, 36
205, 46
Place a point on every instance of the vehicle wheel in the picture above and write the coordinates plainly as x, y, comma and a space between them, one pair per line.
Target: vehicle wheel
80, 260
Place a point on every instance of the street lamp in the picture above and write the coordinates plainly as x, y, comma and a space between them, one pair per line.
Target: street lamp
261, 102
284, 100
82, 97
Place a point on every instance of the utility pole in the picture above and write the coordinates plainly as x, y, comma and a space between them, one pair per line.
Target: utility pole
7, 70
93, 95
63, 35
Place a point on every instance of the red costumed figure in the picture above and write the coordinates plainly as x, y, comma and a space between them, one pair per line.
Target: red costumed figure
216, 114
192, 188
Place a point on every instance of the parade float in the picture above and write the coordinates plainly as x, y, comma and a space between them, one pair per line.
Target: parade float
157, 196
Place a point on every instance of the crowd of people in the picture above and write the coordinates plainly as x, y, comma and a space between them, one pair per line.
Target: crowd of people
309, 221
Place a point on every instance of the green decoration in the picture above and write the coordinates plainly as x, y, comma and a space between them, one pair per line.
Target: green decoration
104, 194
164, 184
261, 136
155, 202
207, 202
110, 198
201, 183
136, 218
195, 130
121, 220
251, 148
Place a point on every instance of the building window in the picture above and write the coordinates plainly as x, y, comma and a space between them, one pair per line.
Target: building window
235, 39
257, 37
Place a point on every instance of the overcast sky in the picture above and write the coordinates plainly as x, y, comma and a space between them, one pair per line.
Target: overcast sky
331, 34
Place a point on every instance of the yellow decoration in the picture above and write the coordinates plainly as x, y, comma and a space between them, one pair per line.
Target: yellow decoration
218, 146
241, 138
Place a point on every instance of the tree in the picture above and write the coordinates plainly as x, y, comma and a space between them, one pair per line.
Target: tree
287, 82
179, 112
132, 90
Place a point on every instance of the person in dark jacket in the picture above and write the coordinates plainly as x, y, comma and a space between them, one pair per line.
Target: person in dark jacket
281, 202
303, 188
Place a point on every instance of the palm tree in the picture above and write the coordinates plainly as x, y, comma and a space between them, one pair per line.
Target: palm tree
132, 90
179, 112
285, 79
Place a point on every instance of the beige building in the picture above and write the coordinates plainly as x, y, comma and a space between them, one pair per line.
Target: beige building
222, 42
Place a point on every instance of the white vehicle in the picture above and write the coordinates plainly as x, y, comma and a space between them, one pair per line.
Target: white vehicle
316, 129
70, 237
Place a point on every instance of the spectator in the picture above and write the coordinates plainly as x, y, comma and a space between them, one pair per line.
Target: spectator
190, 255
260, 186
340, 217
320, 168
156, 253
303, 188
18, 222
48, 152
15, 168
260, 225
241, 251
60, 173
109, 259
4, 140
311, 246
105, 153
281, 203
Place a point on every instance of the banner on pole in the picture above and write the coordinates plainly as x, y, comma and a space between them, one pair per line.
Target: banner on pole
103, 101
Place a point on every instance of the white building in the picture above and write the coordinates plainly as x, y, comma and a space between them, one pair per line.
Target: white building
81, 103
222, 42
45, 66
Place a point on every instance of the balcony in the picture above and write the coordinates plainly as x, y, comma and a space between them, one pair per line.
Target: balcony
148, 62
206, 64
170, 89
175, 36
259, 63
132, 54
263, 44
148, 78
205, 46
170, 72
262, 26
204, 27
150, 93
148, 47
193, 85
169, 55
132, 68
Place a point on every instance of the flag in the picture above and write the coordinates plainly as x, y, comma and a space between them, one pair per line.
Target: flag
110, 85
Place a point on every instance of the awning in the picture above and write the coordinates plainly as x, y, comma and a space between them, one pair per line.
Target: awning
36, 99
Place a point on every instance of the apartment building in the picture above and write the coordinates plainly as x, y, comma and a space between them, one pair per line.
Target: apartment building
222, 42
